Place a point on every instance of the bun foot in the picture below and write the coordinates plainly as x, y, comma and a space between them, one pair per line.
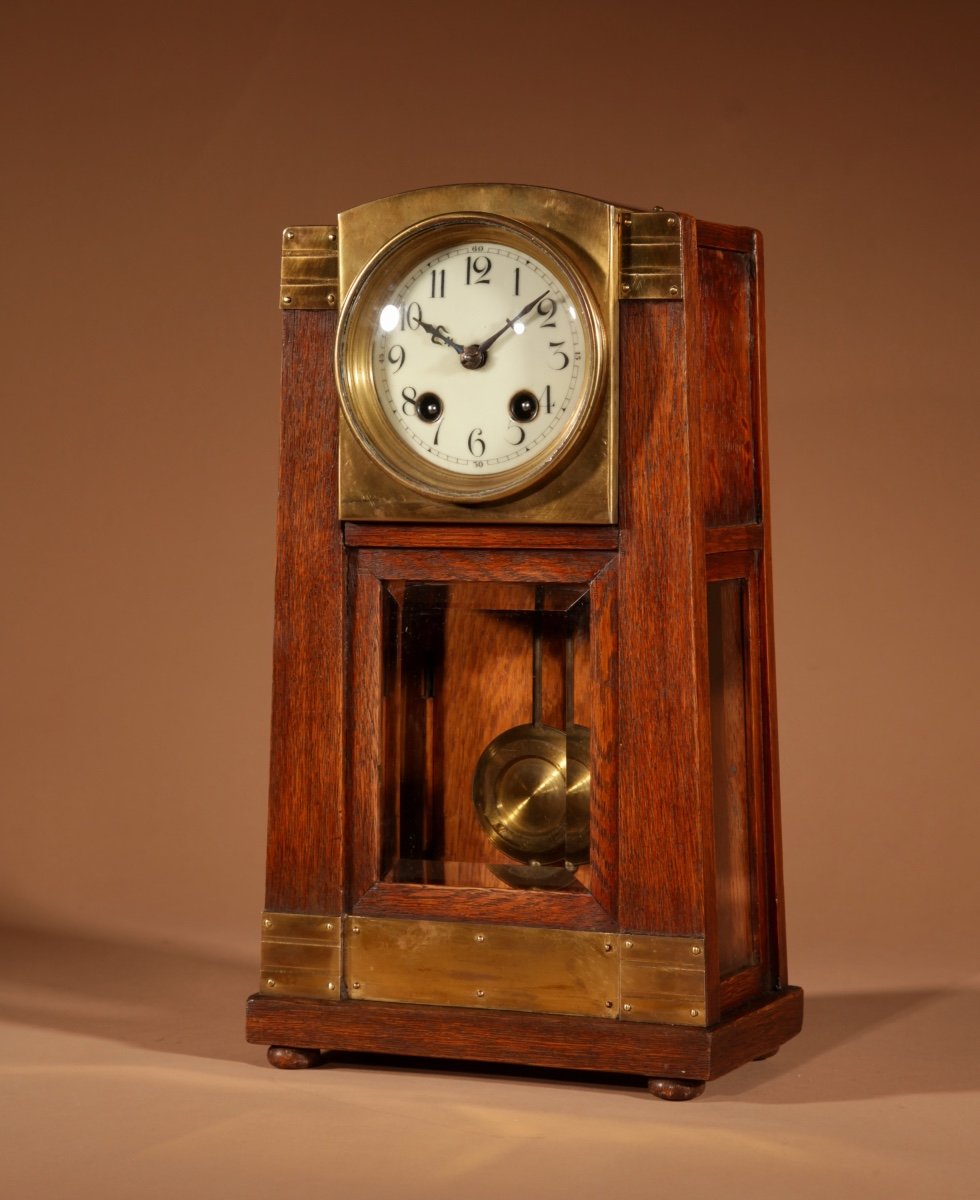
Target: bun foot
293, 1058
676, 1089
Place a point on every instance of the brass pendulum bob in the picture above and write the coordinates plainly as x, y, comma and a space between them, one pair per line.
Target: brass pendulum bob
531, 789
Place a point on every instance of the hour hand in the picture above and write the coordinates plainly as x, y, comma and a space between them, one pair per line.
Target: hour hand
440, 336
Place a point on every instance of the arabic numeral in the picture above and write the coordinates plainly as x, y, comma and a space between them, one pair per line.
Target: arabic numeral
477, 269
409, 395
438, 280
547, 309
396, 356
477, 446
560, 354
411, 316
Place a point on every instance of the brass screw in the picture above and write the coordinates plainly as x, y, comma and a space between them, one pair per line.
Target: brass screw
695, 1012
628, 944
287, 299
627, 1008
480, 992
478, 938
627, 221
607, 946
267, 923
331, 299
609, 1004
330, 927
695, 950
673, 291
671, 220
355, 929
331, 236
270, 983
626, 287
330, 987
355, 986
290, 234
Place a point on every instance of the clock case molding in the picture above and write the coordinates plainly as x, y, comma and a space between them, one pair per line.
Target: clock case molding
674, 957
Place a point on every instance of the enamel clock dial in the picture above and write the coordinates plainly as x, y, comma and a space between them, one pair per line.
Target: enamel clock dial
470, 356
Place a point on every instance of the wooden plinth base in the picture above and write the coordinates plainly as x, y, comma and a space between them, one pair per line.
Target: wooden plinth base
676, 1059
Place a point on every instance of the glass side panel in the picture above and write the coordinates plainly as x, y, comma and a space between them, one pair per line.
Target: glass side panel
729, 743
487, 697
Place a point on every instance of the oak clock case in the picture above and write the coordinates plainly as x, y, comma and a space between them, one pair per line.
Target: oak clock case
524, 796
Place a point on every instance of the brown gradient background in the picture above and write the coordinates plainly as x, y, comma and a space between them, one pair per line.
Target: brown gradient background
151, 155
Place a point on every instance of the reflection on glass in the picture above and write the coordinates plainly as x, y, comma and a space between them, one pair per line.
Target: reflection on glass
487, 708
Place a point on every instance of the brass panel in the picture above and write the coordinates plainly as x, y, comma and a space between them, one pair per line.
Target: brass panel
662, 979
481, 966
584, 228
300, 956
635, 977
309, 267
651, 257
586, 231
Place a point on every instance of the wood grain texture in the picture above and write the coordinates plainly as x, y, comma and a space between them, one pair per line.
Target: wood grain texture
578, 1043
663, 743
514, 565
484, 537
305, 854
722, 539
738, 238
604, 740
729, 437
510, 906
365, 742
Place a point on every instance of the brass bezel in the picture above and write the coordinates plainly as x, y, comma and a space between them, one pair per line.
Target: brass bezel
355, 378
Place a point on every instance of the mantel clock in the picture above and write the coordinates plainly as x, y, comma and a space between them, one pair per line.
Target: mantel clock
524, 802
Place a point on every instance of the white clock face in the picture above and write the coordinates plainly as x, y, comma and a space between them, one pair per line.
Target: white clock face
481, 358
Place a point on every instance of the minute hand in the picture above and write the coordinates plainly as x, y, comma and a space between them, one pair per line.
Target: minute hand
485, 346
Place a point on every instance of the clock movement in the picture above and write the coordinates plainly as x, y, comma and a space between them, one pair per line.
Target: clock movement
524, 796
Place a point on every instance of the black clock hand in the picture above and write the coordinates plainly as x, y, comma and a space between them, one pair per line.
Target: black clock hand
476, 355
485, 346
440, 335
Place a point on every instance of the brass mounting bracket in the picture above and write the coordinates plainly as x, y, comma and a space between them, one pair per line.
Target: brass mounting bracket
309, 267
300, 956
650, 267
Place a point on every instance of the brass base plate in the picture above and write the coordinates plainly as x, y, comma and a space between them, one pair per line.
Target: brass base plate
628, 977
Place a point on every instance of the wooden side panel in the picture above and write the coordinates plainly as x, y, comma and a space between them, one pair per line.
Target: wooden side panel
305, 858
727, 371
664, 828
770, 741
